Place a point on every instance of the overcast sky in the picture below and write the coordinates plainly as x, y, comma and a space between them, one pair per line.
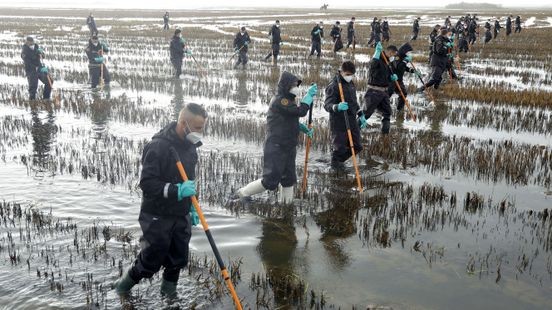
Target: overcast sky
185, 4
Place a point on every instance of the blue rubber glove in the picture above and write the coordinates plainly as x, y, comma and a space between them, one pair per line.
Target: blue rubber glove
379, 49
451, 56
40, 50
236, 49
189, 52
362, 122
306, 130
105, 48
43, 70
186, 189
316, 32
99, 59
309, 97
194, 217
246, 43
342, 106
394, 77
182, 40
449, 44
408, 58
418, 73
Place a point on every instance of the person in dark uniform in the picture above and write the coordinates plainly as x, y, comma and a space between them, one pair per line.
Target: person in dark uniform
472, 31
241, 45
509, 25
496, 28
166, 21
375, 35
488, 34
432, 36
379, 78
385, 30
415, 29
333, 104
351, 35
399, 66
32, 56
178, 50
335, 34
280, 147
97, 69
518, 25
275, 38
166, 214
317, 37
91, 23
439, 60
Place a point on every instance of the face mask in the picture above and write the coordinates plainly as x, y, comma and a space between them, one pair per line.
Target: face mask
95, 43
392, 58
192, 136
242, 33
277, 26
295, 91
32, 46
321, 27
347, 78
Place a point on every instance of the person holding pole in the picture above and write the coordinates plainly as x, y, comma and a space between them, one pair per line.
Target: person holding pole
280, 148
166, 214
338, 109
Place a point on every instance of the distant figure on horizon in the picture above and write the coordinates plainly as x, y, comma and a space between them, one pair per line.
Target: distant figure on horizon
166, 21
92, 25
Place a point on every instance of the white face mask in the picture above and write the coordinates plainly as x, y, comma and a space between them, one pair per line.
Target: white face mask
392, 58
277, 25
242, 33
32, 46
295, 91
193, 137
95, 43
347, 78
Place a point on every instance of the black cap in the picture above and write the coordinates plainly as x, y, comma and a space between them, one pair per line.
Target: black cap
338, 23
392, 48
243, 28
94, 38
30, 39
277, 21
177, 31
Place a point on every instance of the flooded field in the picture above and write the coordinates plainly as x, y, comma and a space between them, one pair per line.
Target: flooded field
455, 215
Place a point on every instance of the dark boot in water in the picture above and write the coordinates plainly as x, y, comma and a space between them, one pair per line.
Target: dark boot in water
168, 289
124, 284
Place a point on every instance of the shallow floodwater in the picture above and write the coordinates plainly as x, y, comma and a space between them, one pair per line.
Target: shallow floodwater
438, 226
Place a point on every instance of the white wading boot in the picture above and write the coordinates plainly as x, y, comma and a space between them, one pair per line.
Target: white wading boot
285, 194
253, 188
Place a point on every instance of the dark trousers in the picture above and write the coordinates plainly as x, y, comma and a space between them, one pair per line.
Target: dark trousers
374, 39
508, 31
341, 149
177, 65
316, 47
274, 52
450, 69
338, 44
436, 76
93, 30
278, 166
472, 38
242, 59
414, 35
166, 26
32, 78
374, 99
386, 36
166, 240
96, 74
393, 89
351, 41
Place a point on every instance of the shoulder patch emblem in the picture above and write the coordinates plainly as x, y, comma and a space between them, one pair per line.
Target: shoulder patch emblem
284, 101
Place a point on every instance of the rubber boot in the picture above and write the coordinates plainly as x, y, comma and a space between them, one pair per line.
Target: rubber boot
124, 284
168, 289
253, 188
285, 194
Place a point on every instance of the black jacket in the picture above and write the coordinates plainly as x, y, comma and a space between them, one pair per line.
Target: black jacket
95, 51
335, 33
376, 28
284, 113
518, 21
378, 73
31, 58
432, 36
166, 19
399, 67
509, 23
159, 169
317, 37
416, 26
91, 22
333, 98
239, 41
276, 34
385, 27
440, 51
350, 29
177, 48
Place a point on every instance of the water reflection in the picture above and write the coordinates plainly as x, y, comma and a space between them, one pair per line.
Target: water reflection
178, 98
242, 96
43, 132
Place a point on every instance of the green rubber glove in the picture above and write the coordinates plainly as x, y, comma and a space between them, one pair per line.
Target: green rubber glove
394, 78
99, 59
40, 50
362, 122
306, 130
408, 58
186, 189
194, 217
379, 49
342, 106
311, 92
43, 70
189, 52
